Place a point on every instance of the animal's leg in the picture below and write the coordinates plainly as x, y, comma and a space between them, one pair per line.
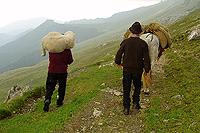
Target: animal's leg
43, 52
145, 84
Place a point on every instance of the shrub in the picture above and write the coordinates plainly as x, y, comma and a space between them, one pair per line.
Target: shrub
4, 112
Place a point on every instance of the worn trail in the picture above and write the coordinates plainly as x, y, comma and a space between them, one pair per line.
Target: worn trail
104, 112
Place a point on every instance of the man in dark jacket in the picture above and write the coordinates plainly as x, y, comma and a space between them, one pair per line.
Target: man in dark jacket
57, 72
135, 54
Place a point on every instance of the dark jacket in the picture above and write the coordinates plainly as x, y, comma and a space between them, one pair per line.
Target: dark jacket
135, 55
58, 62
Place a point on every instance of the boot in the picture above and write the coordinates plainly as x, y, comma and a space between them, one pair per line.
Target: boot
46, 106
137, 106
59, 103
126, 111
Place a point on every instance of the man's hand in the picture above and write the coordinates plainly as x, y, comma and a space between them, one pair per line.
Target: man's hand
149, 74
145, 73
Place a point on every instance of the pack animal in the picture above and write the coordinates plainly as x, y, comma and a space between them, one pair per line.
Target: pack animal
157, 38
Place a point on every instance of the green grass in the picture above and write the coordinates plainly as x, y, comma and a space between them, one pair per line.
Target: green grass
16, 104
36, 75
80, 91
175, 105
29, 76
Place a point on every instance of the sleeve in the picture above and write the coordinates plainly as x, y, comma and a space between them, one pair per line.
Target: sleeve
147, 64
69, 57
119, 54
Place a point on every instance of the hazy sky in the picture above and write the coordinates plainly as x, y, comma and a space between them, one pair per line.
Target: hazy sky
65, 10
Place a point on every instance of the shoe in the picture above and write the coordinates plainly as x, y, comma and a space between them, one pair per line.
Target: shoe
137, 106
59, 104
126, 111
46, 107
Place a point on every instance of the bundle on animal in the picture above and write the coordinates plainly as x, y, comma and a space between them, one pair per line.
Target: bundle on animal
161, 32
56, 42
158, 38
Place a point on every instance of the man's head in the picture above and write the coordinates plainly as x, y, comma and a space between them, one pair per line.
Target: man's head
136, 28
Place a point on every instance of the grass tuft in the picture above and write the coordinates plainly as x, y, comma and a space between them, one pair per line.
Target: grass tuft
6, 109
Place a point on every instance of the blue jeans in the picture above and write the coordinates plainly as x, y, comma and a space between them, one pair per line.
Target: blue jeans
127, 81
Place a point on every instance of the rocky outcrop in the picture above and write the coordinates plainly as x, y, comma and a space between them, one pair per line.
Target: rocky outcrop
15, 91
195, 34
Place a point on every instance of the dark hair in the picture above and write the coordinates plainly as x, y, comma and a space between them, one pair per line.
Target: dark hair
136, 28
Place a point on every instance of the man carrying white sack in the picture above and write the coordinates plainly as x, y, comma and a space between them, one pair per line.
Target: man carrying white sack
60, 57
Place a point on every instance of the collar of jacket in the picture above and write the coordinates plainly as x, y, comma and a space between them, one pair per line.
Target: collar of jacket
133, 35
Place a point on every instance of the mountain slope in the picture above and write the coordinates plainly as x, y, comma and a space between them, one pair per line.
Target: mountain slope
162, 12
21, 26
175, 100
12, 55
4, 38
32, 55
25, 51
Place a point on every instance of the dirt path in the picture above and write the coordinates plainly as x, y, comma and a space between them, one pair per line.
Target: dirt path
104, 113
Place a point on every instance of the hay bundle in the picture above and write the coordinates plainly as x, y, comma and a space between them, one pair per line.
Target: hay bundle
161, 32
127, 34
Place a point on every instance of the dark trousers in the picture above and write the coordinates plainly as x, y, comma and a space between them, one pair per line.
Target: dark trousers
127, 81
52, 80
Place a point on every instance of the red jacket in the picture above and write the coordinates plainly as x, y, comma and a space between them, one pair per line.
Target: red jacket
58, 62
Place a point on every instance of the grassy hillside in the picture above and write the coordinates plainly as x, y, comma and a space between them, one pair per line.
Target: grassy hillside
175, 102
82, 88
36, 75
24, 51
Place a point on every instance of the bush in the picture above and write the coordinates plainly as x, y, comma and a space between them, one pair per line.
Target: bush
4, 113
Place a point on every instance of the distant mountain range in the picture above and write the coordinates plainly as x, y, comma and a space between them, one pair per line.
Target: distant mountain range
17, 29
4, 38
21, 26
166, 12
25, 49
